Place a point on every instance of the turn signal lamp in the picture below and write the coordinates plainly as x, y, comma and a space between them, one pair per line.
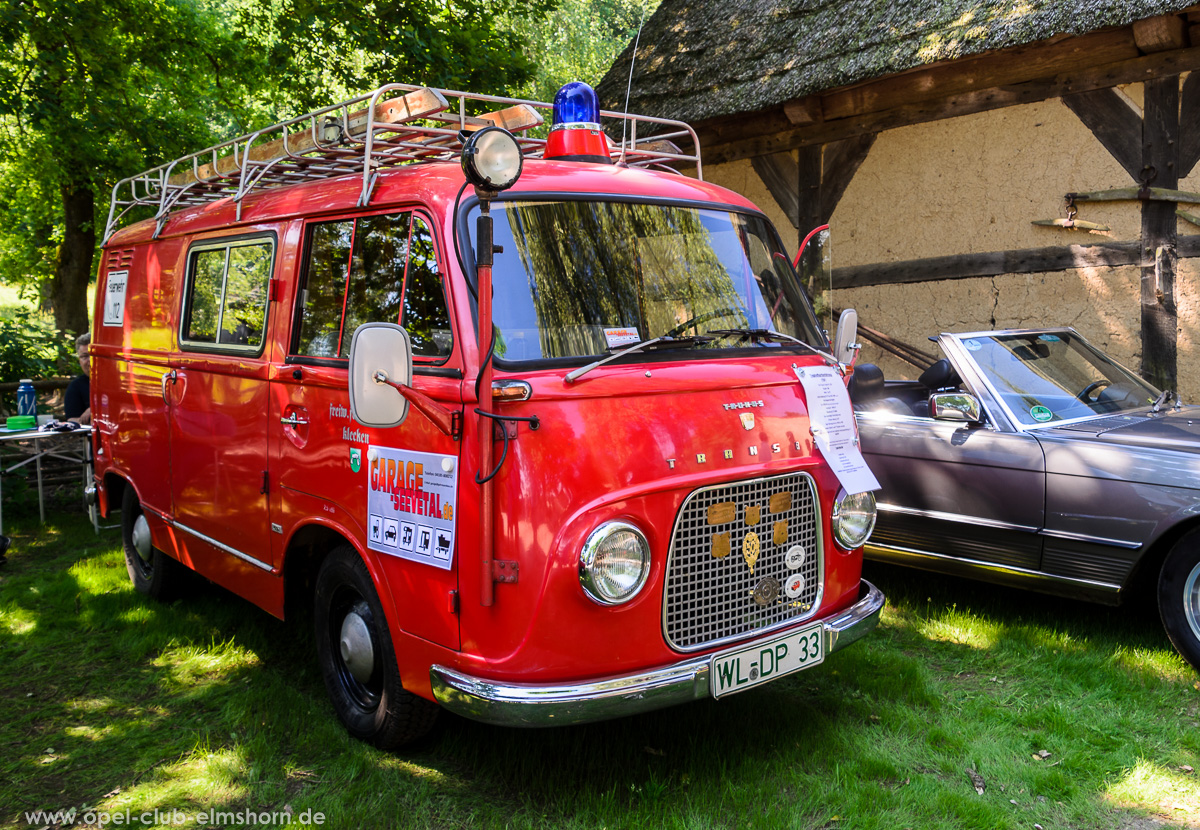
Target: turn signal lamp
575, 133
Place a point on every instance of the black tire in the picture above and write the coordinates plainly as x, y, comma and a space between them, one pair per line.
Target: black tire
358, 661
1179, 597
152, 572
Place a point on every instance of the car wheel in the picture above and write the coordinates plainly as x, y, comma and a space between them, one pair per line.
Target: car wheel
354, 648
1179, 596
152, 572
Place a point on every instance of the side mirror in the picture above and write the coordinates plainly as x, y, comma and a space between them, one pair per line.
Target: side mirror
955, 406
379, 353
845, 347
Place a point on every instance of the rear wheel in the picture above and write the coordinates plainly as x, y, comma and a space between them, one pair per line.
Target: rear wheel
1179, 596
152, 572
358, 661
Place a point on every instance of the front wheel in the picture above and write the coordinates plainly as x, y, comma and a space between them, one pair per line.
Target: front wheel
1179, 596
358, 662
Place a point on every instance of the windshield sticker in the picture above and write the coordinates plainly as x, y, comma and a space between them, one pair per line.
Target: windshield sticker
973, 345
1041, 413
410, 505
831, 421
621, 337
1049, 338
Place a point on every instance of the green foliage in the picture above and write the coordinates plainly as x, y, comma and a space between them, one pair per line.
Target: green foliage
577, 42
31, 348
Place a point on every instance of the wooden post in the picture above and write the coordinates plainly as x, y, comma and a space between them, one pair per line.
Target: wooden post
1160, 152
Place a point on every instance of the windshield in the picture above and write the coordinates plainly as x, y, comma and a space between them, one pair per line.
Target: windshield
1048, 377
579, 278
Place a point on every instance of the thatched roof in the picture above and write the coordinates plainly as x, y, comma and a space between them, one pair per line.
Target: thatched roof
701, 59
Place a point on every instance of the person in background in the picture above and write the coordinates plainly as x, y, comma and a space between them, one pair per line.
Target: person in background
78, 404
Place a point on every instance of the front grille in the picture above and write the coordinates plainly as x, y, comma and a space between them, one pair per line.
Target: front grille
713, 576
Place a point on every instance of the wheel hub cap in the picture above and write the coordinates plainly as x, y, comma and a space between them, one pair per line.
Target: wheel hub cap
358, 652
141, 538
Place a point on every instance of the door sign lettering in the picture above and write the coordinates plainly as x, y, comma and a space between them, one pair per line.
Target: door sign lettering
411, 499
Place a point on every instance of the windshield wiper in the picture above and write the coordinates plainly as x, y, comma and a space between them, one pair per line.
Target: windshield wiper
757, 335
663, 342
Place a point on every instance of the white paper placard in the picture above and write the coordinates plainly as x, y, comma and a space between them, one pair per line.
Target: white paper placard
114, 298
832, 420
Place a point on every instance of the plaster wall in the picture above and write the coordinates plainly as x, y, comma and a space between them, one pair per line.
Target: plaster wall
974, 184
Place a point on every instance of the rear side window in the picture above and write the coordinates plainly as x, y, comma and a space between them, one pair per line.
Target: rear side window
373, 269
227, 294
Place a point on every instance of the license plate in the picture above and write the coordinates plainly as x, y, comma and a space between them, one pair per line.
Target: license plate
745, 668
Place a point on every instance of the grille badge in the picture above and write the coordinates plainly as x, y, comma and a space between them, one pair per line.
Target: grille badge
766, 591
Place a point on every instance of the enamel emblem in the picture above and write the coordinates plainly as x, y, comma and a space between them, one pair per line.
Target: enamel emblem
750, 548
747, 420
794, 586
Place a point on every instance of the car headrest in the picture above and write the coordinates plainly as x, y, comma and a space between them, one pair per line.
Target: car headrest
940, 375
866, 384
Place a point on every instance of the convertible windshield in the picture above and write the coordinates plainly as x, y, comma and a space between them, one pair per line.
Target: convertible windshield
582, 278
1046, 377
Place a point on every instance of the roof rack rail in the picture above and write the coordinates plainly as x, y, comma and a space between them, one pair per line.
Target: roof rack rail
396, 124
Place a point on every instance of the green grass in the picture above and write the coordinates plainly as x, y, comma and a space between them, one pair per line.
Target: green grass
115, 702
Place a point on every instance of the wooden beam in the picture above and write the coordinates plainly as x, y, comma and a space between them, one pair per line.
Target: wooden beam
749, 134
803, 111
1189, 125
1107, 114
782, 177
1159, 251
998, 263
810, 190
842, 160
1158, 34
990, 71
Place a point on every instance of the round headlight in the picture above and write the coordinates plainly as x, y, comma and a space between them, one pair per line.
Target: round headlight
614, 563
491, 159
853, 519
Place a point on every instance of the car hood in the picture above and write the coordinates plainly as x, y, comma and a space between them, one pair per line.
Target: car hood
1177, 430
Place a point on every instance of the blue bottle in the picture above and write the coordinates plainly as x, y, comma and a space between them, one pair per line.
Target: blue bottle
26, 398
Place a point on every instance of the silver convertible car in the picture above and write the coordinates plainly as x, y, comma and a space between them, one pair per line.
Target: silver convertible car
1031, 459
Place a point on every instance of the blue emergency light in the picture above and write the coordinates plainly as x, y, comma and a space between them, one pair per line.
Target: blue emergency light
575, 133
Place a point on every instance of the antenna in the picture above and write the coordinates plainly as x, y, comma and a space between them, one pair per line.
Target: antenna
629, 83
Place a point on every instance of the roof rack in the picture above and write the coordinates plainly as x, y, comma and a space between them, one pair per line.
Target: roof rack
396, 124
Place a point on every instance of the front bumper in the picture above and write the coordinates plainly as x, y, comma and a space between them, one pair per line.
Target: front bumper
528, 704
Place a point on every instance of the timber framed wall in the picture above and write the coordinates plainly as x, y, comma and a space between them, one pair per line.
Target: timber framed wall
931, 180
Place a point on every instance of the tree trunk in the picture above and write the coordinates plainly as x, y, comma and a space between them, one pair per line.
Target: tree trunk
69, 287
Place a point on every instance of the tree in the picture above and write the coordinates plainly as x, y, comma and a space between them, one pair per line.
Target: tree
92, 92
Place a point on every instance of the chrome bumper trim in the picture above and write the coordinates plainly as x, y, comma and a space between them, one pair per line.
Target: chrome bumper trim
528, 704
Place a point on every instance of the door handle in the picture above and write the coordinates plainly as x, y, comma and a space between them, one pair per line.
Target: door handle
169, 376
293, 421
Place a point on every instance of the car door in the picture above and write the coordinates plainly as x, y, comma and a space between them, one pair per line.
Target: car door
953, 490
377, 267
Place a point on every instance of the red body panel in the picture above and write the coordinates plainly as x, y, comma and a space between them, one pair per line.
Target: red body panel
208, 452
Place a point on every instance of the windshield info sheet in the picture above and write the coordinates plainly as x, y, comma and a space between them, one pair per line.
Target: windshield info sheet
832, 422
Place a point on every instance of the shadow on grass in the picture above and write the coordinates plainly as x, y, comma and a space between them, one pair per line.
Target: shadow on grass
113, 699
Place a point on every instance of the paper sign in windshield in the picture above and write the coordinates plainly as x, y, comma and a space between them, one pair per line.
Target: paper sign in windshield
832, 422
411, 500
615, 338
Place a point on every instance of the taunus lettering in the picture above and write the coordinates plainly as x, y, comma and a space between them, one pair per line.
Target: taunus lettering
743, 405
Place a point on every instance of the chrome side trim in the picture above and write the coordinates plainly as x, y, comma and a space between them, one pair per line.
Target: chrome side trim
245, 557
906, 556
529, 704
1094, 540
955, 517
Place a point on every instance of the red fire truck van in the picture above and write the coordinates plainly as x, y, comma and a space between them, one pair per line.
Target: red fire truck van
533, 428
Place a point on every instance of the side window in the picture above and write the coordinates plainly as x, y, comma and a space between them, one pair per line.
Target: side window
372, 269
227, 294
